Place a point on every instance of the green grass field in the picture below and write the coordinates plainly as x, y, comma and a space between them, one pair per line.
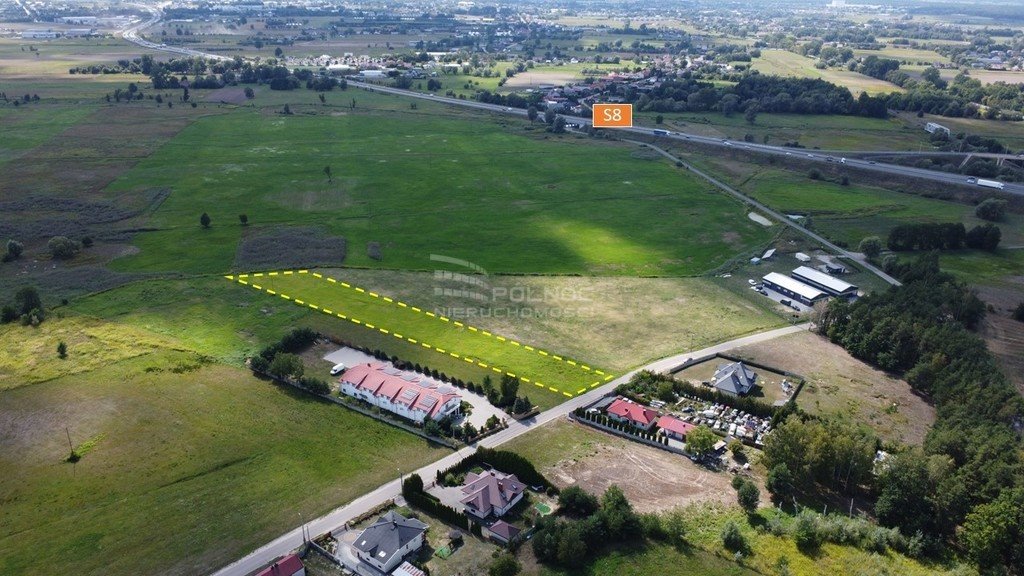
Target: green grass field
786, 63
193, 463
547, 377
569, 208
826, 132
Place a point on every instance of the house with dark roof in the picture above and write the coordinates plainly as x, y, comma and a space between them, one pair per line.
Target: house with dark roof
502, 532
491, 493
734, 378
629, 412
386, 542
404, 393
674, 427
290, 565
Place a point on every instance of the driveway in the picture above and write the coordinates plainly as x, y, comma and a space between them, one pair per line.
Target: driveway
349, 357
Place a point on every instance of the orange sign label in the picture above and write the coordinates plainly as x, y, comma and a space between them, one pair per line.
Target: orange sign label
613, 115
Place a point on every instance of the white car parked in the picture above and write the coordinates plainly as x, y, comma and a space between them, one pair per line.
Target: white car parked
338, 369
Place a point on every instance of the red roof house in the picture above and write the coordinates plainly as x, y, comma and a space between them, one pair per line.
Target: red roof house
290, 565
623, 410
404, 393
674, 427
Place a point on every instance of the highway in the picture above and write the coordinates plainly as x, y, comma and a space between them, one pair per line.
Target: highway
337, 518
814, 156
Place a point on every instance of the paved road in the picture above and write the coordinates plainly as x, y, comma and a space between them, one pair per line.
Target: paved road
781, 218
816, 156
132, 35
337, 517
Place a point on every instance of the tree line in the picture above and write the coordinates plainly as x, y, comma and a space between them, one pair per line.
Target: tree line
969, 473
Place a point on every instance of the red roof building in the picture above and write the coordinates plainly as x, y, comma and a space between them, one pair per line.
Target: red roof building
674, 427
623, 410
404, 393
290, 565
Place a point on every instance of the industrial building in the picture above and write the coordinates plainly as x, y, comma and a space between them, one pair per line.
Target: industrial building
829, 284
802, 293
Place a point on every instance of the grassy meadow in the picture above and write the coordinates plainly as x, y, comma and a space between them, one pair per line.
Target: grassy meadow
786, 63
569, 208
188, 463
543, 372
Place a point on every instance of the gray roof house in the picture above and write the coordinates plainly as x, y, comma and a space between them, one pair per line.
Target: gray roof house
734, 378
386, 542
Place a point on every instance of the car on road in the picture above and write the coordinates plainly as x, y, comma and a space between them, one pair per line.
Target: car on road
972, 180
872, 162
338, 369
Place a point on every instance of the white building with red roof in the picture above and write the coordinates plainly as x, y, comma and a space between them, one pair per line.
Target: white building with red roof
491, 492
674, 427
629, 412
404, 393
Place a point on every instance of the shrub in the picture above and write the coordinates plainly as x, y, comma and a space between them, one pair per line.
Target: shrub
814, 174
575, 501
871, 246
992, 210
748, 496
14, 250
8, 314
87, 241
204, 220
259, 364
806, 532
732, 538
1018, 313
373, 250
63, 248
504, 565
62, 350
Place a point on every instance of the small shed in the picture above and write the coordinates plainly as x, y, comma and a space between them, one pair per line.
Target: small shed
802, 257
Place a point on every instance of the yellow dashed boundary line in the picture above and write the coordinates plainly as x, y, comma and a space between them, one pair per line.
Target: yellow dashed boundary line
241, 279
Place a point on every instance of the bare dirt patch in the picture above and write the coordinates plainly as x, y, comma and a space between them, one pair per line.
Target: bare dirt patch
531, 79
1004, 335
289, 247
840, 385
652, 479
227, 95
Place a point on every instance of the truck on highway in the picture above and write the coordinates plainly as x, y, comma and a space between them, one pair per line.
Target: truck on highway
990, 184
660, 132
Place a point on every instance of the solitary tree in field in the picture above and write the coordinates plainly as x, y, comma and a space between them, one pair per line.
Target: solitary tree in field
748, 495
62, 350
751, 114
871, 246
243, 219
327, 171
250, 93
204, 220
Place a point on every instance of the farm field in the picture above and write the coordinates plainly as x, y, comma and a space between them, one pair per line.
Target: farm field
544, 373
564, 212
786, 63
207, 447
907, 55
839, 385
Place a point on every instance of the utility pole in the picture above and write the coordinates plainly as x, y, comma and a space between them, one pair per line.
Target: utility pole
71, 446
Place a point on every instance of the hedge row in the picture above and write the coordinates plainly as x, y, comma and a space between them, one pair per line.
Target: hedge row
507, 462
